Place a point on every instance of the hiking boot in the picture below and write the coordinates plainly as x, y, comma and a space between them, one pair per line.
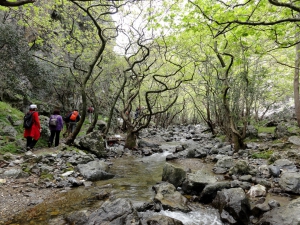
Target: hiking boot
28, 148
49, 144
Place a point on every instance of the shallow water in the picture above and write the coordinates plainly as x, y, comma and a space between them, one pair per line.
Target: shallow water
134, 180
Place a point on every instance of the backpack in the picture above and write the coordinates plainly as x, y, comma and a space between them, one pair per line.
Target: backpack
74, 116
28, 120
53, 121
90, 110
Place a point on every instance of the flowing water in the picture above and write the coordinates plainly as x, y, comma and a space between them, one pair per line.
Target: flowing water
134, 180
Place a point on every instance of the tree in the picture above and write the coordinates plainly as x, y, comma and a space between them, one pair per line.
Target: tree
278, 25
15, 3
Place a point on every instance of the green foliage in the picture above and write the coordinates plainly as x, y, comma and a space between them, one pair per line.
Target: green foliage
7, 110
9, 147
47, 176
262, 155
294, 130
266, 130
42, 143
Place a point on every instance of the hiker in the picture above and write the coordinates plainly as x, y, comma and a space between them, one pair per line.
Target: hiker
74, 118
90, 111
55, 125
32, 133
137, 113
66, 119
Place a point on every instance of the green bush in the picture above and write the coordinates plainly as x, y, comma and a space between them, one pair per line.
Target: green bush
262, 155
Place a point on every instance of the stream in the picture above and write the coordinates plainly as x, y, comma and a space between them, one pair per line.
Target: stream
134, 180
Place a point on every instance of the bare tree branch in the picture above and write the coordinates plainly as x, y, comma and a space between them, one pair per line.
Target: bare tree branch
15, 4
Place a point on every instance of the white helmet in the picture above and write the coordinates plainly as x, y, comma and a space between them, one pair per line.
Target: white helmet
32, 106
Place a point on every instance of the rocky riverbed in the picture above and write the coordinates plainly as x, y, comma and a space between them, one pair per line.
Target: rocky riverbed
199, 168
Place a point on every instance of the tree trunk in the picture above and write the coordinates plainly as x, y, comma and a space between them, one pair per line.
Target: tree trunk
296, 82
131, 139
238, 142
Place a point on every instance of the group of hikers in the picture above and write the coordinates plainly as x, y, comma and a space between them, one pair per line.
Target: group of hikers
33, 129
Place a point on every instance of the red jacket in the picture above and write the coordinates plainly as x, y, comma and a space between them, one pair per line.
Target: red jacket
34, 130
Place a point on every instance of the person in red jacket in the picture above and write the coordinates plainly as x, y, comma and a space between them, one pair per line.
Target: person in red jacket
33, 133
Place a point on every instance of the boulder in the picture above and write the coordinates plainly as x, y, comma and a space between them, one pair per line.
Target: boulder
94, 170
233, 206
294, 140
196, 182
92, 142
210, 191
281, 131
224, 164
118, 212
290, 182
241, 167
257, 191
285, 215
174, 175
101, 125
169, 198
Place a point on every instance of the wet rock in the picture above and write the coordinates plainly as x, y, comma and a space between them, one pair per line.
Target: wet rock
257, 191
169, 198
274, 170
242, 184
233, 206
224, 164
290, 182
196, 182
94, 170
259, 209
118, 212
78, 217
273, 204
210, 191
241, 167
163, 220
285, 165
92, 142
285, 215
174, 175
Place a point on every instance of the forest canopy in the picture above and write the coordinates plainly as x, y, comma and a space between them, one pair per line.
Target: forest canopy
224, 63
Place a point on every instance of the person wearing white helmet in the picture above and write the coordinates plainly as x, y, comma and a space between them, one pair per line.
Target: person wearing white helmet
32, 133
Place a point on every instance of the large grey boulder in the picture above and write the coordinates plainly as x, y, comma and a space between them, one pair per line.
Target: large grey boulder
233, 206
7, 130
92, 142
224, 164
116, 212
14, 173
169, 198
251, 131
94, 171
290, 182
210, 191
241, 167
101, 125
294, 140
285, 165
174, 175
196, 182
284, 215
281, 130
